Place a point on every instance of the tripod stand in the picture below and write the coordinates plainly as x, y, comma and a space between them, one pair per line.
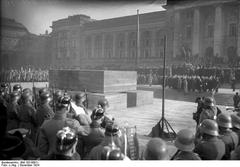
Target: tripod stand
170, 134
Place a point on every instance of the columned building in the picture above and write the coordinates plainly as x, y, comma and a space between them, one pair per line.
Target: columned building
204, 30
110, 43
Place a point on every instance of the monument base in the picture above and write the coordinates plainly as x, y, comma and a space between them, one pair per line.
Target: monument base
139, 97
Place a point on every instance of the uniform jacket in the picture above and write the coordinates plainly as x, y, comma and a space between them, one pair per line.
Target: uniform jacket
44, 112
92, 136
186, 155
13, 119
237, 131
49, 129
210, 149
27, 117
230, 139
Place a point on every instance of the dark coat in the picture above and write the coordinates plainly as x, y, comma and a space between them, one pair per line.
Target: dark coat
13, 119
230, 139
186, 155
210, 149
49, 129
44, 112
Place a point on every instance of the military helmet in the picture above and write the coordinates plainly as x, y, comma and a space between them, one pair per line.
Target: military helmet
235, 120
42, 90
66, 138
185, 140
112, 129
224, 120
27, 90
45, 96
156, 150
209, 127
103, 103
27, 96
15, 95
17, 87
208, 101
97, 114
79, 96
64, 101
109, 153
58, 93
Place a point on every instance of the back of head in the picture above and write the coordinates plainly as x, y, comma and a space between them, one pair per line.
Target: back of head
185, 140
103, 103
26, 96
42, 90
109, 153
224, 120
209, 127
97, 114
209, 102
156, 150
15, 95
80, 96
45, 97
63, 103
66, 139
17, 87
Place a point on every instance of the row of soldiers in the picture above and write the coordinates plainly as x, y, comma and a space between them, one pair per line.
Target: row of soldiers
68, 131
24, 75
193, 83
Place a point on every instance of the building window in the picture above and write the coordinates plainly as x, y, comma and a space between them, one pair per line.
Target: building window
210, 30
188, 32
88, 44
233, 30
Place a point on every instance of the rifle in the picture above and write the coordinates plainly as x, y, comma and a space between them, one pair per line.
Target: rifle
34, 96
86, 101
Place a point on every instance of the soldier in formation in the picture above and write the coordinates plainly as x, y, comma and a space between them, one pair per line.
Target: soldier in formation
28, 132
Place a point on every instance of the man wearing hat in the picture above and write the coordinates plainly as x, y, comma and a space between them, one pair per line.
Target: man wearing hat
229, 137
185, 145
44, 111
210, 147
104, 104
13, 111
93, 135
156, 150
49, 129
27, 115
112, 137
66, 142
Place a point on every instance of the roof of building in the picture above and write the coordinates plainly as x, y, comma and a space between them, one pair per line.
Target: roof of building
11, 23
159, 16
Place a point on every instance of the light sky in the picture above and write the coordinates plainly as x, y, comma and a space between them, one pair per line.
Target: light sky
37, 15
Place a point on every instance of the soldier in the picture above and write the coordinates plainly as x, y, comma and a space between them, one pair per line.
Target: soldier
103, 103
44, 111
156, 150
185, 145
93, 134
236, 125
210, 146
17, 88
229, 137
209, 110
56, 95
236, 100
48, 130
27, 115
13, 111
66, 142
112, 135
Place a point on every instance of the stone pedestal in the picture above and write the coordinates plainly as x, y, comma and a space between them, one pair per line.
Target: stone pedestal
139, 97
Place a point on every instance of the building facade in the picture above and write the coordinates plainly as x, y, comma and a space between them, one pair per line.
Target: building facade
20, 48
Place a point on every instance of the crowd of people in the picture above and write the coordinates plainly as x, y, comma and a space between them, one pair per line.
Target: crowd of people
24, 75
49, 124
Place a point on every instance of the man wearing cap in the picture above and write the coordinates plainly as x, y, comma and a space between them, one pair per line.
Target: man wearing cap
229, 137
156, 150
93, 135
13, 111
49, 129
210, 147
112, 137
27, 115
185, 145
103, 103
44, 111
